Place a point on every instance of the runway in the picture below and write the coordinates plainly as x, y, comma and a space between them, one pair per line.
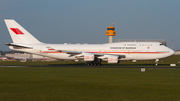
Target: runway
102, 66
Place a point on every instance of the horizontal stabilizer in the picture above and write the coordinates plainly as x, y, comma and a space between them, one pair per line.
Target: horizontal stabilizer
18, 45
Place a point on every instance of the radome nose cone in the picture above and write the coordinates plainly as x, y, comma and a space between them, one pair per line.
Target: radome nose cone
172, 52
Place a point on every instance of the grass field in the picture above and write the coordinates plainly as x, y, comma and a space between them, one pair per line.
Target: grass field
89, 83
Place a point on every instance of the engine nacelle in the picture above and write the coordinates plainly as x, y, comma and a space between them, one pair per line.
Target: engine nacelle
113, 60
89, 57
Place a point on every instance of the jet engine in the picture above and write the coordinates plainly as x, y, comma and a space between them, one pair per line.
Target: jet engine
89, 57
114, 59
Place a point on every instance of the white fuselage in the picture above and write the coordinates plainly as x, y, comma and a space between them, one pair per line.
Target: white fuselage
131, 50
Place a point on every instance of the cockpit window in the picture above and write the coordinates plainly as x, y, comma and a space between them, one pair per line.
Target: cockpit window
161, 44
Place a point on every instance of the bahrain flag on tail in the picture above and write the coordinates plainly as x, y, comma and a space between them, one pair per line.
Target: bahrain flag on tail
17, 31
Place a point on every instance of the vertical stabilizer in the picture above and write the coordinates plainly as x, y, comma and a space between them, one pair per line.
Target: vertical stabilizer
19, 34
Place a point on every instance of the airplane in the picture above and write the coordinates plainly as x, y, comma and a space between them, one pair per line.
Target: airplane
93, 54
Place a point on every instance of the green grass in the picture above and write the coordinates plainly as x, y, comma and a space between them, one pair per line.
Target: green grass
88, 84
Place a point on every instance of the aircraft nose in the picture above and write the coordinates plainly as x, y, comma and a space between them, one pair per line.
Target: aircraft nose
171, 52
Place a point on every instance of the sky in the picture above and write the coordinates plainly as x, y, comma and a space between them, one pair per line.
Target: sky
86, 21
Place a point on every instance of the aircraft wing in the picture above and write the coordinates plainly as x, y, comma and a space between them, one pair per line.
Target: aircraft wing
98, 55
91, 56
72, 53
80, 53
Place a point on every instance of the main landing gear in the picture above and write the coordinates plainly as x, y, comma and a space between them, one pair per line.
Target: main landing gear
96, 62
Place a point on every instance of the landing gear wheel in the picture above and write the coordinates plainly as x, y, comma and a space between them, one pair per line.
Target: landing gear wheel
95, 63
156, 62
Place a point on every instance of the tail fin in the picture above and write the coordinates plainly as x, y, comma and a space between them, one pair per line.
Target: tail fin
19, 34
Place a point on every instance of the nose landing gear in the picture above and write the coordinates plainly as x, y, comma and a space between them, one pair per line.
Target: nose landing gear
156, 62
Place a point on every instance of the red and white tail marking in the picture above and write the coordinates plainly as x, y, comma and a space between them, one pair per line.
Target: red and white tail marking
18, 34
17, 31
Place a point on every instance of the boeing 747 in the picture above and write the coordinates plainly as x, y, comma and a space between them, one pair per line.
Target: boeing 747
93, 54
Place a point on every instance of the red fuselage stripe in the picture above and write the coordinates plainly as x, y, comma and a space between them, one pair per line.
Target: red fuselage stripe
111, 52
133, 52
